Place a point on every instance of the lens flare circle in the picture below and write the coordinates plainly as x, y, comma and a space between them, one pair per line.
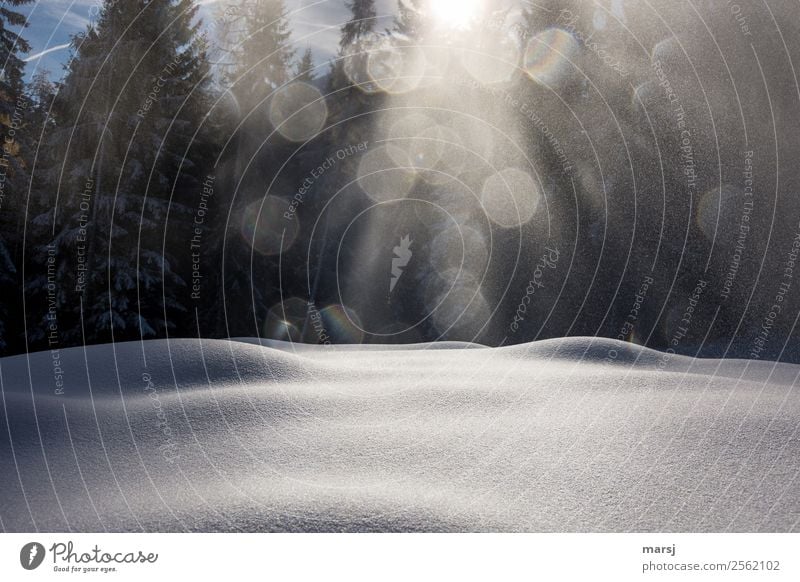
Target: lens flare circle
340, 324
298, 111
460, 247
721, 210
385, 173
550, 56
396, 68
510, 197
407, 135
265, 226
285, 321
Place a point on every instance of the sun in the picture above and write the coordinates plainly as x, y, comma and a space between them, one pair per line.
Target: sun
454, 13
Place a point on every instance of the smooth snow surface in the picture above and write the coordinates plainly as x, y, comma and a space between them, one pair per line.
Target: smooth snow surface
232, 435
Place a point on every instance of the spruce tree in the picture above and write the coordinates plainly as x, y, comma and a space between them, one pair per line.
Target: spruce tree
13, 167
352, 44
120, 198
264, 54
305, 67
361, 24
262, 63
409, 20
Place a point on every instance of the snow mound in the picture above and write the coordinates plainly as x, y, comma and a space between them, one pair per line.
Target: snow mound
592, 350
577, 434
295, 347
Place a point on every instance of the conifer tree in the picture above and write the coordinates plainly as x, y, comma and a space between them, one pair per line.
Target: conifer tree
264, 54
305, 67
132, 99
262, 62
13, 168
352, 44
409, 20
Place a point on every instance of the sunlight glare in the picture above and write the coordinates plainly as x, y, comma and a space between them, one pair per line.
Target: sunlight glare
454, 13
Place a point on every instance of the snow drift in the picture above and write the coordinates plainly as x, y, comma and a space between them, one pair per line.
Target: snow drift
580, 434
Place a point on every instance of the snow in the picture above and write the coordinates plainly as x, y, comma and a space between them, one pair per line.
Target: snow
214, 435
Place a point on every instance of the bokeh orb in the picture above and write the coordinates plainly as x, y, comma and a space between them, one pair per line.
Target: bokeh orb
406, 135
461, 247
396, 68
437, 285
285, 320
339, 325
269, 225
298, 111
720, 212
439, 155
510, 197
550, 56
354, 64
455, 304
461, 314
385, 173
279, 329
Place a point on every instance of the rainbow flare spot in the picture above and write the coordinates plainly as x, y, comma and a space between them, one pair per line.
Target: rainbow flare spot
550, 55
